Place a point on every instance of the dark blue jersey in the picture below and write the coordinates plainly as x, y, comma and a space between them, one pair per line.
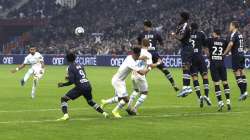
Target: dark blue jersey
77, 75
216, 48
198, 40
183, 30
238, 46
153, 37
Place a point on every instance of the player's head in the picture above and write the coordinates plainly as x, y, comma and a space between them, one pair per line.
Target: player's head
145, 43
184, 16
216, 33
234, 25
147, 25
32, 50
194, 26
136, 53
71, 57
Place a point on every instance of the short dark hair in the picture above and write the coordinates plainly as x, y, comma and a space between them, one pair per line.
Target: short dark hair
137, 50
71, 57
147, 23
194, 26
184, 16
217, 31
236, 24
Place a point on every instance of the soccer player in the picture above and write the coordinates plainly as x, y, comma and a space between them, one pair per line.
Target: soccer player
183, 35
155, 38
215, 48
76, 75
198, 40
140, 83
236, 47
119, 83
35, 59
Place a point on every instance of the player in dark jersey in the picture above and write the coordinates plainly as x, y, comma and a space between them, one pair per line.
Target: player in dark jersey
198, 40
77, 76
183, 35
236, 47
215, 48
155, 38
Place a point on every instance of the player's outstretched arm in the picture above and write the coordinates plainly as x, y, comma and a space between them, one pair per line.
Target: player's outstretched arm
229, 47
159, 62
18, 68
64, 84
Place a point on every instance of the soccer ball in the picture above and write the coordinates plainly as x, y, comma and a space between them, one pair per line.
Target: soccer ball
79, 31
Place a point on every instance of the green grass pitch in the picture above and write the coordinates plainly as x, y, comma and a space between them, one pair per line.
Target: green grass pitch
162, 117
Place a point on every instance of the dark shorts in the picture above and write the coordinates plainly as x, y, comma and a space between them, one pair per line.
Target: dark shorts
238, 62
186, 55
198, 65
84, 91
218, 71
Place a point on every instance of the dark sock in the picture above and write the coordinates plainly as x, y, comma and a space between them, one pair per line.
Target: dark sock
168, 75
227, 91
244, 81
197, 88
95, 106
240, 84
64, 108
186, 78
218, 93
206, 87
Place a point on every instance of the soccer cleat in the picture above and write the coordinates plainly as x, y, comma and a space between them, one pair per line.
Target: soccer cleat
220, 106
229, 108
22, 82
208, 101
130, 112
105, 114
176, 88
103, 103
64, 118
201, 102
185, 92
116, 114
243, 96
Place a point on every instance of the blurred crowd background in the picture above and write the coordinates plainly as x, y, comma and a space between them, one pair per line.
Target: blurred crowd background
112, 26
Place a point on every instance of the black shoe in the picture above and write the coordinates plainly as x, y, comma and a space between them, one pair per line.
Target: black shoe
22, 82
229, 108
176, 88
220, 106
130, 112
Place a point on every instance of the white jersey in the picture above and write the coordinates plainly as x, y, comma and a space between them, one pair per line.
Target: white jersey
34, 60
128, 65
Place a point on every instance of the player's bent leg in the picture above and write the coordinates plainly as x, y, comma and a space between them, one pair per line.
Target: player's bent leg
186, 81
240, 83
26, 76
132, 98
64, 108
206, 88
227, 94
218, 95
197, 89
244, 81
140, 101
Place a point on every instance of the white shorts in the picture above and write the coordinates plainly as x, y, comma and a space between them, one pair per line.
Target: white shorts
120, 87
139, 82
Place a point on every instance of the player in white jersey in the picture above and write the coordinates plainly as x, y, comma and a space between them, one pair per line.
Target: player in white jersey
119, 84
35, 59
140, 84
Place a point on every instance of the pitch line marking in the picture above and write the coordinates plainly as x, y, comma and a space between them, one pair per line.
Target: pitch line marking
135, 117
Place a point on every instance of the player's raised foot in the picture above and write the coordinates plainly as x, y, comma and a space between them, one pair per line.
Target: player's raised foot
130, 112
220, 106
229, 108
105, 114
64, 118
116, 114
185, 92
103, 103
22, 82
208, 101
201, 100
243, 96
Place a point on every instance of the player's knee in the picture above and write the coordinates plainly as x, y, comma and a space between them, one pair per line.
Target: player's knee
144, 92
205, 76
195, 76
125, 99
225, 83
64, 99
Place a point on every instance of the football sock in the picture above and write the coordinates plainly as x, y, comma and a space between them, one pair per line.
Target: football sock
244, 81
120, 105
95, 106
197, 88
35, 82
227, 91
206, 87
218, 93
132, 98
168, 75
240, 84
186, 78
64, 107
112, 100
140, 101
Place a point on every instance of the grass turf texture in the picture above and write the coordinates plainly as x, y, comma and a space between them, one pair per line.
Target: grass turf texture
162, 116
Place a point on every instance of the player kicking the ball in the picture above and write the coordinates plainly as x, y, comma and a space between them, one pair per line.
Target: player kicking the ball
119, 84
35, 59
77, 76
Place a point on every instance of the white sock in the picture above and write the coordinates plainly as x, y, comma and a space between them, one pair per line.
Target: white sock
112, 100
119, 106
140, 101
132, 98
33, 92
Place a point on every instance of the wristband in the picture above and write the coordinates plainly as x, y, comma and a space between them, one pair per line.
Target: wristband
158, 63
17, 69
